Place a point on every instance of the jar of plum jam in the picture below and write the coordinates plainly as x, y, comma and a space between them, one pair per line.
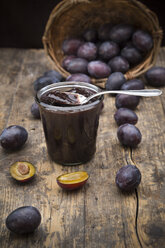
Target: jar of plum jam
70, 130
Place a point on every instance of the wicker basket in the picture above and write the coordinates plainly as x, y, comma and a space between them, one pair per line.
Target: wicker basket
70, 17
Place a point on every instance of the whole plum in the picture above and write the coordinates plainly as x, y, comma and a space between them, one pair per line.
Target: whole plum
108, 50
115, 81
79, 77
90, 35
70, 46
121, 33
156, 76
125, 115
23, 220
87, 51
131, 54
128, 177
77, 65
129, 135
67, 60
35, 111
142, 40
53, 73
119, 64
43, 81
13, 137
103, 31
133, 84
127, 101
98, 69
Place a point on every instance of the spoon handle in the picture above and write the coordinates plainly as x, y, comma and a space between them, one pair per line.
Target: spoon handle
146, 93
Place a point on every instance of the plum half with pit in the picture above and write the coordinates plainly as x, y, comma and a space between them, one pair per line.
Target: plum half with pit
13, 137
72, 181
129, 135
23, 220
22, 171
128, 178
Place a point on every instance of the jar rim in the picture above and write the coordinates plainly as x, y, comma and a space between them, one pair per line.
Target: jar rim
69, 84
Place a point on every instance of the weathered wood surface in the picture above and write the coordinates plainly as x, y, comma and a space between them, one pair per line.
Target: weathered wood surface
98, 215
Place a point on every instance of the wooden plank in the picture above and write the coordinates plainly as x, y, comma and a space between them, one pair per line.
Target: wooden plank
97, 215
8, 81
43, 192
110, 215
150, 158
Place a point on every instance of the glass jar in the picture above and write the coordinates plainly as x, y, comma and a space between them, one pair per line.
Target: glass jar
70, 131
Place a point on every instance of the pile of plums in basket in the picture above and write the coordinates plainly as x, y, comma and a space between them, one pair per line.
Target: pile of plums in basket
109, 49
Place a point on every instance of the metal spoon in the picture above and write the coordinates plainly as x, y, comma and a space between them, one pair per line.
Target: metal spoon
81, 99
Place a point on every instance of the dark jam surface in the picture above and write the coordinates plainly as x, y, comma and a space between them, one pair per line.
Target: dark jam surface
66, 98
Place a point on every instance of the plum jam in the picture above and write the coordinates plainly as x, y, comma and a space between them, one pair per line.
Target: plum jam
65, 98
70, 130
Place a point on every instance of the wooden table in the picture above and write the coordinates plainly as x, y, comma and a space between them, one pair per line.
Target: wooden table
97, 215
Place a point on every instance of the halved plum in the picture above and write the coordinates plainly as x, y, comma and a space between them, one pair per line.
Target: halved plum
74, 180
22, 171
